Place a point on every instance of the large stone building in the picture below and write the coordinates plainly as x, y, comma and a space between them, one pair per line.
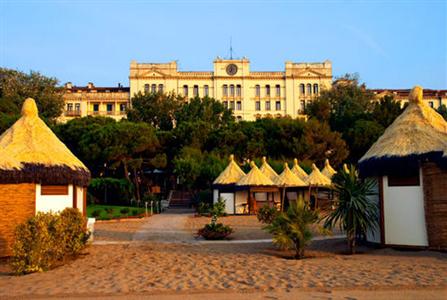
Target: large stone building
81, 101
433, 98
250, 94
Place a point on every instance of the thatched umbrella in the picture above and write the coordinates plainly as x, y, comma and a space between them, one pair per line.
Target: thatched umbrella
288, 179
328, 171
298, 171
316, 179
267, 170
254, 179
31, 152
232, 173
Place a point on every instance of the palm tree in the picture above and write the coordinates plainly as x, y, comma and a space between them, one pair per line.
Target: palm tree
354, 212
291, 229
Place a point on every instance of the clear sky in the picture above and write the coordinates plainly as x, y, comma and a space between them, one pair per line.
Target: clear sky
390, 44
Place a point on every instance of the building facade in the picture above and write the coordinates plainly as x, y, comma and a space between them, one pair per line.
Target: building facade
433, 98
81, 101
249, 94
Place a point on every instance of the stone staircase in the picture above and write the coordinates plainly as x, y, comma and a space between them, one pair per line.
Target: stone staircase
180, 199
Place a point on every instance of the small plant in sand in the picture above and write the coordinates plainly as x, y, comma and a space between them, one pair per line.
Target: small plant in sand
267, 214
354, 213
203, 208
292, 229
214, 230
218, 208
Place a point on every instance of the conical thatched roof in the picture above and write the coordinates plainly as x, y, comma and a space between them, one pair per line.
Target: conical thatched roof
298, 171
316, 178
255, 178
328, 171
31, 152
419, 132
267, 170
231, 174
288, 179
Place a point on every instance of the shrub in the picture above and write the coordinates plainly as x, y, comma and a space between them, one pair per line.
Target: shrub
218, 209
291, 229
47, 238
124, 210
267, 214
109, 211
134, 212
203, 208
96, 213
215, 231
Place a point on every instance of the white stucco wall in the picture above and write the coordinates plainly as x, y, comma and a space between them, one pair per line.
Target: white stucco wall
215, 195
54, 203
229, 202
404, 215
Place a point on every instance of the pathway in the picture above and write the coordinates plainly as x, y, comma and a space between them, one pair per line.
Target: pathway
168, 227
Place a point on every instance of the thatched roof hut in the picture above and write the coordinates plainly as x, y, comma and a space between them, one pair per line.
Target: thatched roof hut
298, 171
31, 153
267, 170
232, 173
316, 178
328, 171
288, 179
418, 133
255, 178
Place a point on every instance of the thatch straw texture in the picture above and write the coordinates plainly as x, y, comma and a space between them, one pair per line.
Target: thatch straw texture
298, 171
328, 171
316, 178
255, 178
267, 170
288, 179
31, 152
231, 174
419, 132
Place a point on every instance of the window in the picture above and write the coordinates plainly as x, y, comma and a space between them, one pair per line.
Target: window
160, 88
69, 106
316, 89
123, 107
278, 105
225, 90
96, 107
153, 88
185, 90
78, 107
258, 105
267, 90
278, 90
232, 90
238, 90
309, 89
109, 108
430, 103
146, 88
302, 89
408, 179
258, 91
195, 91
225, 104
239, 105
267, 105
232, 105
239, 118
51, 190
303, 105
206, 91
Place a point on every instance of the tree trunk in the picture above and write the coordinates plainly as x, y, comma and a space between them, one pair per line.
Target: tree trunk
351, 243
137, 186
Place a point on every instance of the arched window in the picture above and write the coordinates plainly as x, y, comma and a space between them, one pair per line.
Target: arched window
146, 88
206, 90
278, 90
267, 90
232, 90
195, 91
302, 89
185, 90
160, 88
225, 90
257, 90
309, 89
153, 88
316, 89
238, 90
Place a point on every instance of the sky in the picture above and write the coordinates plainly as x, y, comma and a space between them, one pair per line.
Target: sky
389, 44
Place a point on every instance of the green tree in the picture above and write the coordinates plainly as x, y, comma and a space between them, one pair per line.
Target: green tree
354, 213
16, 86
291, 229
361, 137
442, 110
386, 111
